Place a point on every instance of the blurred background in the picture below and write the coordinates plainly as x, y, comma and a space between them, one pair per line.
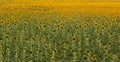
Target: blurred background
58, 1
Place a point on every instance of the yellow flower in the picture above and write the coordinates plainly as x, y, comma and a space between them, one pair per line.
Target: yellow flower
116, 25
103, 27
95, 24
94, 57
111, 56
86, 24
38, 50
110, 23
1, 21
64, 27
105, 47
58, 26
8, 22
40, 27
25, 21
71, 20
80, 27
113, 19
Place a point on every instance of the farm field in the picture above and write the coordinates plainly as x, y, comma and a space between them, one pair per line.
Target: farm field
60, 32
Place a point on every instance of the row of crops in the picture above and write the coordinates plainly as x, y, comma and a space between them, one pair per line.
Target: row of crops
34, 8
59, 37
24, 9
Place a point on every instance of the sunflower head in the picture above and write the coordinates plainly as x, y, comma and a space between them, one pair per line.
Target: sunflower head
1, 21
94, 57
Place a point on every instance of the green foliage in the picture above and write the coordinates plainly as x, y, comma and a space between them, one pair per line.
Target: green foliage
56, 39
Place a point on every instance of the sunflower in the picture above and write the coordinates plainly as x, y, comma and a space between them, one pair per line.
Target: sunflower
25, 21
8, 22
70, 19
94, 57
116, 25
1, 21
73, 38
95, 24
105, 48
80, 27
110, 23
15, 38
103, 27
58, 26
40, 27
15, 51
64, 27
3, 31
86, 24
38, 50
111, 33
111, 56
87, 51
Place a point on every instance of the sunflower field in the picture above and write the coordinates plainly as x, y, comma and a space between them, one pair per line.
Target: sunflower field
59, 34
